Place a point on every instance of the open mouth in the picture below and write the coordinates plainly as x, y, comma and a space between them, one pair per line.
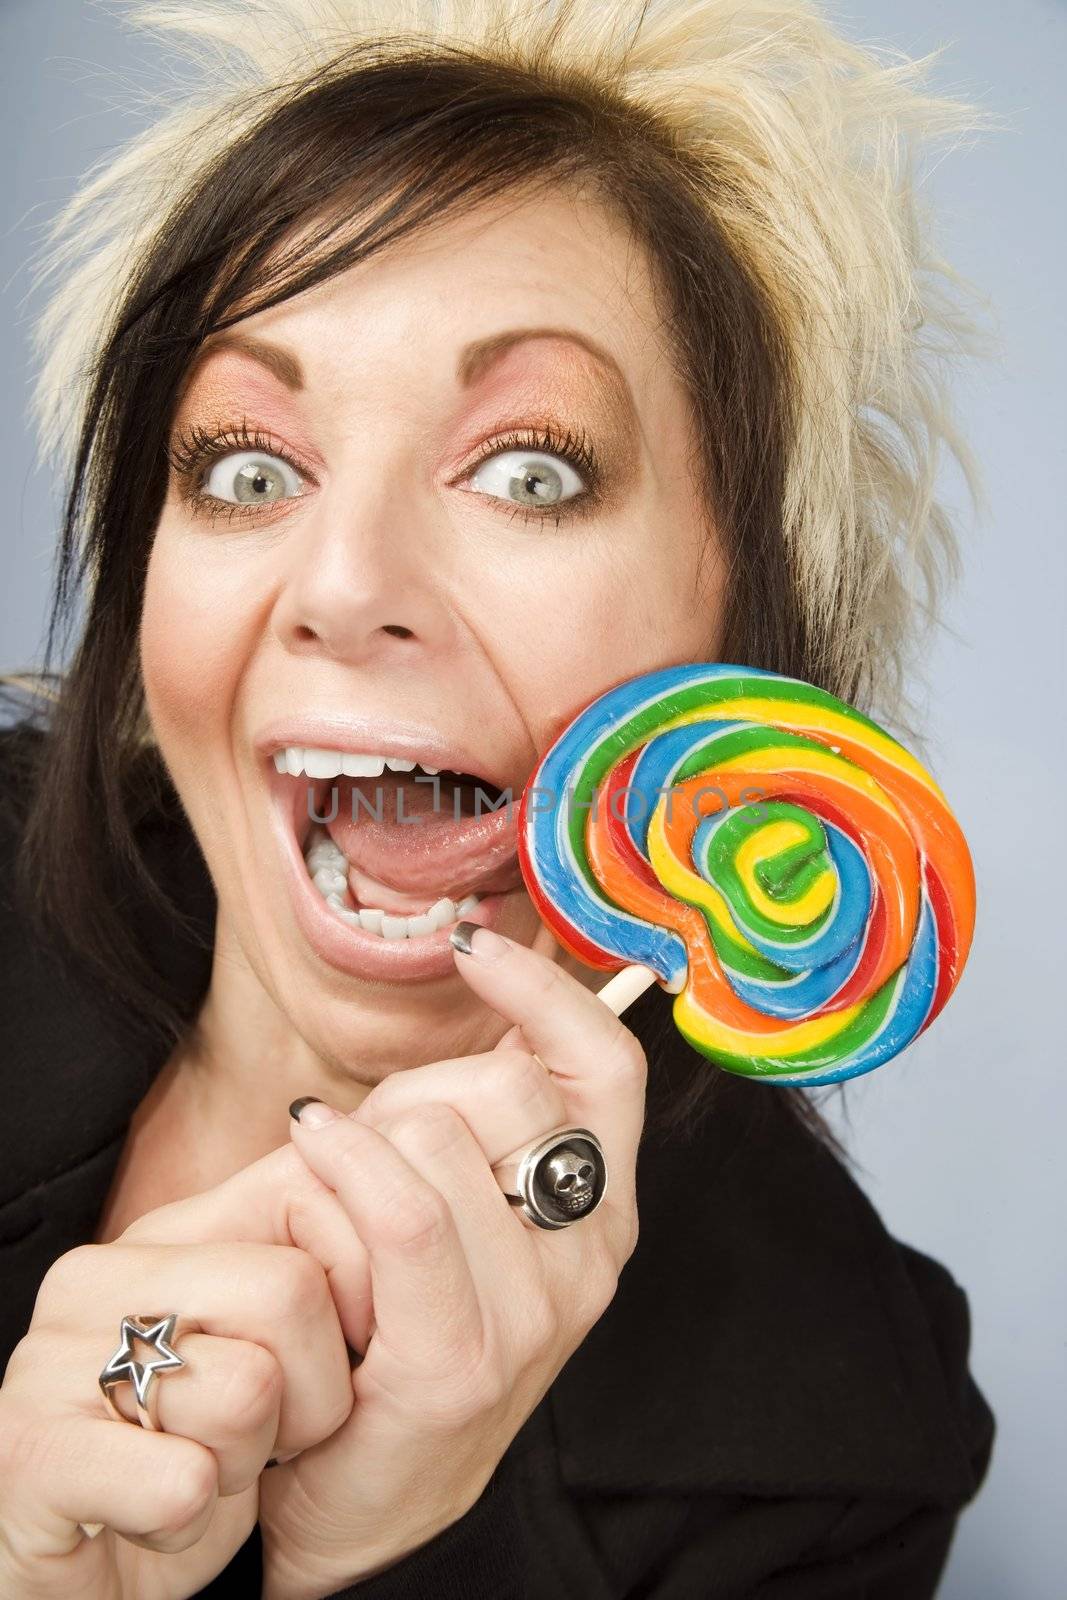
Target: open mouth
397, 849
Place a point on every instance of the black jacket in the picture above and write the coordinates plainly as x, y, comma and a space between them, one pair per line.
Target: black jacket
776, 1403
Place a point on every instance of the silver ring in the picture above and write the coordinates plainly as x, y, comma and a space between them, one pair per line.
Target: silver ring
161, 1334
123, 1367
556, 1181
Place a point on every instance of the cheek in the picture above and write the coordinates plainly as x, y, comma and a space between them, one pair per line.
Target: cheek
190, 642
571, 627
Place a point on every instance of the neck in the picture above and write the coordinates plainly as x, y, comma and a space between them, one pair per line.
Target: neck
235, 1074
245, 1054
246, 1061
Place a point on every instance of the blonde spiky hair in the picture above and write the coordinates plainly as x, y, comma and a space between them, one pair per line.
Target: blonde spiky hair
806, 141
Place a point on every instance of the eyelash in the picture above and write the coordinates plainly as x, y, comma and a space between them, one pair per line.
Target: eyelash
189, 454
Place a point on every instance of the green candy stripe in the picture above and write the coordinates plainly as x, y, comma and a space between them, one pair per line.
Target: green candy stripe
784, 876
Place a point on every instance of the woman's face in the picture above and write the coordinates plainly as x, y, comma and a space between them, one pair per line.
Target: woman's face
438, 537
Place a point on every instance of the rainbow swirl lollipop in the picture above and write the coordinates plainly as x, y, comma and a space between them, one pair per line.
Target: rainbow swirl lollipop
783, 866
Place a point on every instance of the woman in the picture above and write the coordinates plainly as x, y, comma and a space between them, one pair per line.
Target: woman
412, 389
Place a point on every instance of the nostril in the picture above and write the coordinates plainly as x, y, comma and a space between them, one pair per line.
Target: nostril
397, 630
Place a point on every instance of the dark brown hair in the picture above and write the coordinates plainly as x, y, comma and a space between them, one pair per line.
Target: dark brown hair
398, 143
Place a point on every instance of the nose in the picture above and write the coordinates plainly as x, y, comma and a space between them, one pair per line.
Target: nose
366, 585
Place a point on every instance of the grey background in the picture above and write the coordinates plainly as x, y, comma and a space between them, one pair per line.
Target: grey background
961, 1140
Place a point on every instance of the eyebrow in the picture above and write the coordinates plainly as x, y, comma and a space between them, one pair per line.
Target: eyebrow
474, 361
275, 357
477, 357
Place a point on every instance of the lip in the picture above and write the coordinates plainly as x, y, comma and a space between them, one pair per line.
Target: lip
351, 950
412, 741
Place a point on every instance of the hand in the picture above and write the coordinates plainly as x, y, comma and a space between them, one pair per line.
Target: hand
270, 1374
473, 1313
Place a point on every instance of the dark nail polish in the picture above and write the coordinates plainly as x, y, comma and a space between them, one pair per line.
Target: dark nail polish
298, 1105
460, 937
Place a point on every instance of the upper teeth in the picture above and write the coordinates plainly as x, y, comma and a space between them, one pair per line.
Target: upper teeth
315, 762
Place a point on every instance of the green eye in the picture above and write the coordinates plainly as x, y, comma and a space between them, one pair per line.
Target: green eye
528, 479
251, 479
539, 472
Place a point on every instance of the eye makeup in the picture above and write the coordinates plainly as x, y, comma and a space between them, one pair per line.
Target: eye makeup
514, 399
552, 439
191, 452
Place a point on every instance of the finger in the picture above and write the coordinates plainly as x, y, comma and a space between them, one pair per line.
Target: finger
153, 1487
597, 1062
227, 1397
438, 1145
577, 1266
266, 1294
507, 1098
425, 1302
277, 1200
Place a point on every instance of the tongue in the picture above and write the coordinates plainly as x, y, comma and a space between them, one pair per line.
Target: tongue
400, 843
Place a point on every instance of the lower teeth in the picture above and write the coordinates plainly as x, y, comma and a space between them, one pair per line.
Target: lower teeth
328, 871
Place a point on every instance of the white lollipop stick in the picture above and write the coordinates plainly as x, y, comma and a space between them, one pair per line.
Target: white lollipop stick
623, 989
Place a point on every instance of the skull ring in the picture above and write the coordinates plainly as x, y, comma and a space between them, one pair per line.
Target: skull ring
557, 1180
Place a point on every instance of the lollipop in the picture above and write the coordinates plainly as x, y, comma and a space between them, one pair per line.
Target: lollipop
776, 859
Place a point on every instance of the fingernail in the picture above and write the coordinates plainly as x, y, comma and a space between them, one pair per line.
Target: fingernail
311, 1112
471, 939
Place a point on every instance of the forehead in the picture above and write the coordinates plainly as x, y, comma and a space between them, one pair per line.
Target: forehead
458, 288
